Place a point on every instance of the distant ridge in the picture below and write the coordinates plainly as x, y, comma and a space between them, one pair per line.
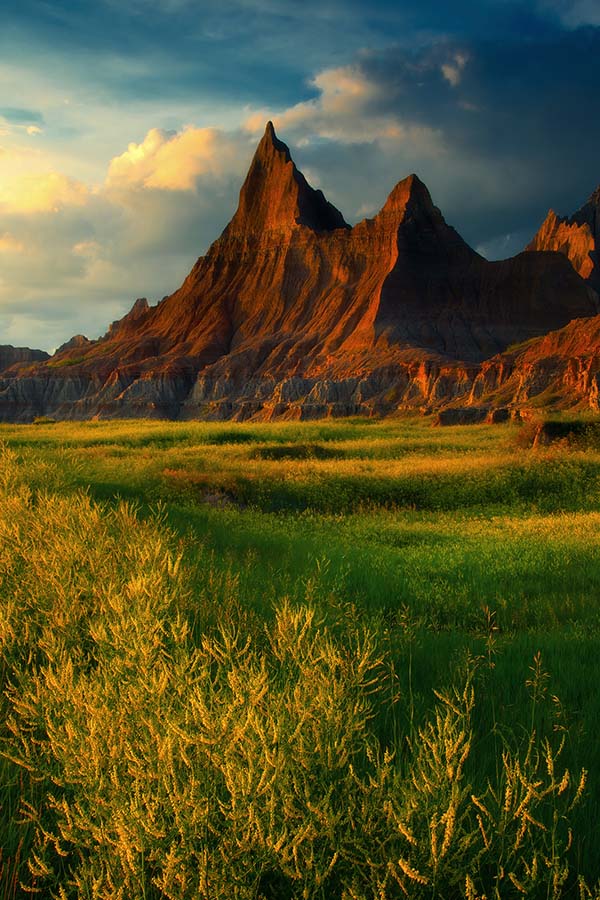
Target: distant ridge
576, 236
10, 356
293, 313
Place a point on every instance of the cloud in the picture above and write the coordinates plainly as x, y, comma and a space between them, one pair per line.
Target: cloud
90, 249
14, 120
46, 192
499, 130
18, 116
170, 161
77, 255
452, 71
10, 244
574, 13
351, 107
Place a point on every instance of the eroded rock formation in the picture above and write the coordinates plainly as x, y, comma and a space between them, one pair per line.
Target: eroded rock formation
576, 236
293, 313
10, 356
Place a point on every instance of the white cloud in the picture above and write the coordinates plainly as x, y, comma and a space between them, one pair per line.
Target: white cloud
75, 253
343, 94
350, 108
43, 192
172, 161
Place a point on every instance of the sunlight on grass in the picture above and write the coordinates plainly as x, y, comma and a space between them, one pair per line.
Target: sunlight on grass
297, 661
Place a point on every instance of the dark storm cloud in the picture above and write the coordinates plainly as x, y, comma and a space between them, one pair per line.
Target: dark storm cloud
509, 97
522, 114
573, 13
238, 49
246, 49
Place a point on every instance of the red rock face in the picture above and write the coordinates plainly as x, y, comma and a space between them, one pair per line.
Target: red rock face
294, 313
577, 237
276, 197
560, 369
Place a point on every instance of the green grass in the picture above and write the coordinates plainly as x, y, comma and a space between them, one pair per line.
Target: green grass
414, 560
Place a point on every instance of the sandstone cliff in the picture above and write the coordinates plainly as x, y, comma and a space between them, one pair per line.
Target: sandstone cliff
293, 313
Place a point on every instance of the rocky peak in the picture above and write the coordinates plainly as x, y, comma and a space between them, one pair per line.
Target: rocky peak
408, 196
576, 237
589, 214
418, 229
137, 311
77, 342
276, 197
139, 308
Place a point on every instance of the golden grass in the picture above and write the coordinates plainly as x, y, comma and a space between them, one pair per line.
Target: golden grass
147, 757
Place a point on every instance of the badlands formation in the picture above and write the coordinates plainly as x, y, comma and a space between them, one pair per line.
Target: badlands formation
292, 313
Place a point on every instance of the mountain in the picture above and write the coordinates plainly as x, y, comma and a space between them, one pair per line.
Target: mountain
293, 313
10, 356
576, 236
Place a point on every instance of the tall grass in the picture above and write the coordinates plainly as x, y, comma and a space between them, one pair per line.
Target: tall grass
161, 739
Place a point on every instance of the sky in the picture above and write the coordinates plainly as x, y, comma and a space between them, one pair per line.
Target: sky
127, 126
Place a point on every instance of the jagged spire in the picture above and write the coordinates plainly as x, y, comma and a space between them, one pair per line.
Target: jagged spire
276, 196
576, 236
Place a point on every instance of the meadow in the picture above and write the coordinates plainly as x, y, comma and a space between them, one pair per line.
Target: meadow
343, 660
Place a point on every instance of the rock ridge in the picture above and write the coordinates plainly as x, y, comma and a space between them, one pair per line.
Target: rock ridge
293, 313
577, 237
10, 356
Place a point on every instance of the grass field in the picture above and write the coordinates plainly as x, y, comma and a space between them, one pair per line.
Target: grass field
339, 660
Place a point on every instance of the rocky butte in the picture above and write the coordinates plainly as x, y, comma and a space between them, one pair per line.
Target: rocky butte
293, 313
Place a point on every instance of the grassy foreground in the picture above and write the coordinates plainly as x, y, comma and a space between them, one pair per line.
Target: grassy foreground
344, 660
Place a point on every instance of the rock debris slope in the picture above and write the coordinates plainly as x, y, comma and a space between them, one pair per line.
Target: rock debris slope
293, 313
